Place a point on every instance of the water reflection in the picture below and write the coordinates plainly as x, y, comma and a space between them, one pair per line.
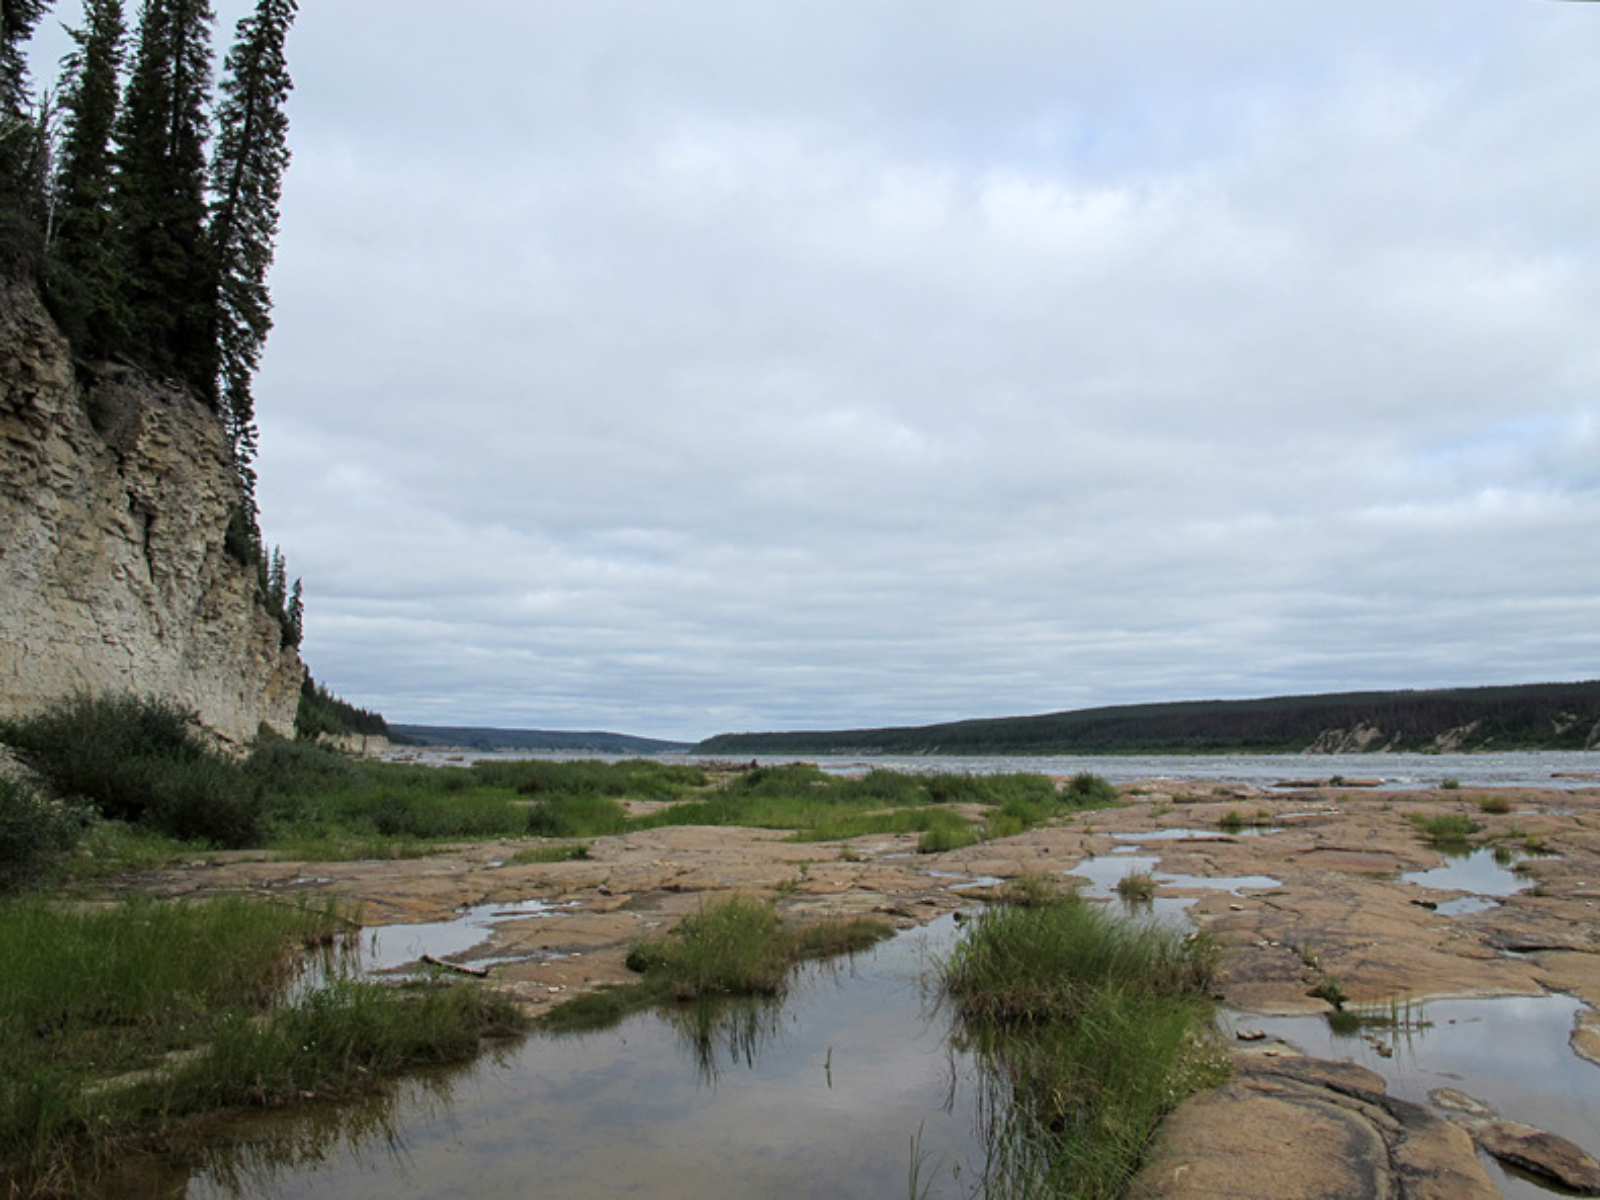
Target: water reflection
724, 1032
832, 1094
1510, 1052
1482, 872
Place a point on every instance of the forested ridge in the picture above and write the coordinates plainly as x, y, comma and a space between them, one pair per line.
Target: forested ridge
1563, 716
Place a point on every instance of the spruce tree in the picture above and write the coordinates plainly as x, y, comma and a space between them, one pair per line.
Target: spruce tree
23, 144
17, 19
159, 197
247, 181
84, 287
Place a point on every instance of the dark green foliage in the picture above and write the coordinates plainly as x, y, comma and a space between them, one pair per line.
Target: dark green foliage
84, 288
160, 195
320, 711
1088, 790
137, 759
24, 146
34, 833
17, 21
106, 750
580, 814
638, 778
1534, 716
252, 154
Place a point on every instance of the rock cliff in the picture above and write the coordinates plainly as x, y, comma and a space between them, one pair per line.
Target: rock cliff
115, 494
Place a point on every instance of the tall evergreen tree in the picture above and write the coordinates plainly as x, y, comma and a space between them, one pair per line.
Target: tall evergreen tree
23, 145
17, 19
159, 196
247, 170
83, 266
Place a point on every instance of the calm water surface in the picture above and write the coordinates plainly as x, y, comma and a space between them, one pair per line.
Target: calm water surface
1393, 771
833, 1094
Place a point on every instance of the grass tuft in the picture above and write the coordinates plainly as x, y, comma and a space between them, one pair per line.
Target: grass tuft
1089, 1029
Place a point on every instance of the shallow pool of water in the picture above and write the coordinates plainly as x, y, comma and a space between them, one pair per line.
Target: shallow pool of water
1190, 835
1480, 872
1105, 871
389, 947
1510, 1052
835, 1093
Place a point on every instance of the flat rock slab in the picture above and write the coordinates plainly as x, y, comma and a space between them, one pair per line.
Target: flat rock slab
1542, 1154
1289, 1128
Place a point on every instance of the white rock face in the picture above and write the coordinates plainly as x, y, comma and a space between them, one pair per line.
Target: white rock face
113, 573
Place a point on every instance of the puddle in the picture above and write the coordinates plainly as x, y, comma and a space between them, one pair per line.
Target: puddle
1191, 835
967, 883
1509, 1052
835, 1093
1465, 906
389, 947
1234, 885
1105, 871
1480, 872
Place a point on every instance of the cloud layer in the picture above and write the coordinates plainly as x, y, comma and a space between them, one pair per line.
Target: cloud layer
675, 369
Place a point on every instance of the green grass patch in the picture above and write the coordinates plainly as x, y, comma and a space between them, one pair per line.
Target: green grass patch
1444, 829
552, 852
1137, 888
734, 947
1494, 804
117, 1023
1089, 1030
1088, 790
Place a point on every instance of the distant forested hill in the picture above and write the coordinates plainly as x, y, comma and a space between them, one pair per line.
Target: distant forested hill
1553, 716
475, 738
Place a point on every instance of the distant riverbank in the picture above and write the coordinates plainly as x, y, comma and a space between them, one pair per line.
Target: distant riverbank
1389, 772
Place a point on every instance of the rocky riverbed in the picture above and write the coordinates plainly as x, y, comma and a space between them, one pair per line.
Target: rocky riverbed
1312, 909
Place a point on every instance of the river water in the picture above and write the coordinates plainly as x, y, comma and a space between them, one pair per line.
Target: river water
1557, 769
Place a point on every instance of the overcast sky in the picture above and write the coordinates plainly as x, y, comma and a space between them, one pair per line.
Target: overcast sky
682, 368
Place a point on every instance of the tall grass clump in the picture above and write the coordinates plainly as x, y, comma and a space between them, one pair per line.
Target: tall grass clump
1088, 790
1089, 1029
1445, 830
116, 1023
732, 948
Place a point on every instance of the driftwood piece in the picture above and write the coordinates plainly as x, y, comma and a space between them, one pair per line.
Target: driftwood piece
475, 972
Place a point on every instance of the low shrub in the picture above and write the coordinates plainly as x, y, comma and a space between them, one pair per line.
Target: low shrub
35, 833
1088, 790
136, 758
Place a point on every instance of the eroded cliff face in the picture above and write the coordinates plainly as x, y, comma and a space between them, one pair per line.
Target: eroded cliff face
113, 573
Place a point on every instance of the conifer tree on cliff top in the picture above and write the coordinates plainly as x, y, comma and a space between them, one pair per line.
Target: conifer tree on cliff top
247, 169
160, 196
85, 289
17, 19
21, 139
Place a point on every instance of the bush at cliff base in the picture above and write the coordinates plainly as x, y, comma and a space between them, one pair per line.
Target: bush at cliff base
34, 832
137, 759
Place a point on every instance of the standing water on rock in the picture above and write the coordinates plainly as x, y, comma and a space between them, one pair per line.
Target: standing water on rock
846, 1089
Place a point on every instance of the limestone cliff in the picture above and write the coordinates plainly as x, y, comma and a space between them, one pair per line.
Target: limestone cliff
114, 501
